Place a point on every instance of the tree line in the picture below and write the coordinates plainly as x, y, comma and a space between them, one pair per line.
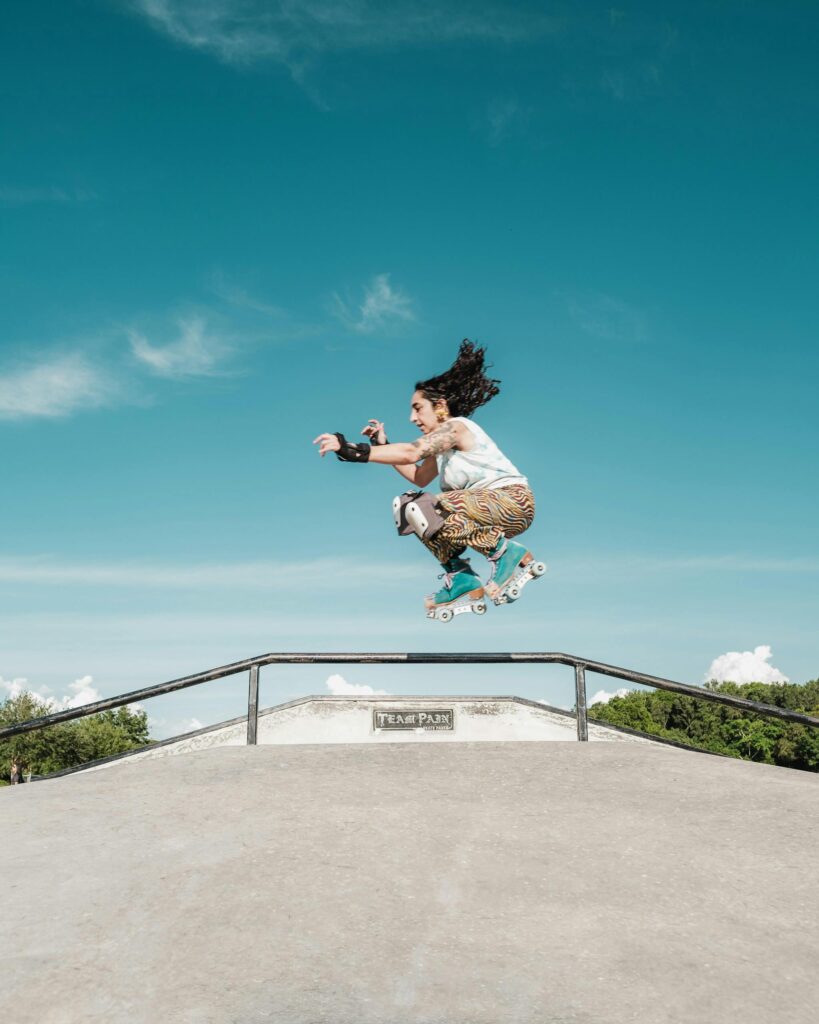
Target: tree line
722, 729
67, 744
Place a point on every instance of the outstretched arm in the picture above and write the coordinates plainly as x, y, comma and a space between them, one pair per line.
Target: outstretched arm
387, 454
403, 454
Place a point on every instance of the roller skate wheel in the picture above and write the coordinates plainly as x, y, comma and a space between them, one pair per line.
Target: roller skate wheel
445, 615
538, 568
480, 609
512, 594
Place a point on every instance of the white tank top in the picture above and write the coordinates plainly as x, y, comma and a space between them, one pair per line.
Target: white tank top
484, 466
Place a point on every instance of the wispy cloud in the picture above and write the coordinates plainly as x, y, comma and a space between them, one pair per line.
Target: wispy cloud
239, 297
382, 306
735, 563
504, 118
745, 667
46, 570
607, 317
11, 196
613, 83
240, 31
258, 321
626, 58
197, 352
73, 376
55, 386
330, 573
596, 568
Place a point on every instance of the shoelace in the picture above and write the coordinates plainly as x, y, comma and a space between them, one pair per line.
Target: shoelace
448, 577
493, 559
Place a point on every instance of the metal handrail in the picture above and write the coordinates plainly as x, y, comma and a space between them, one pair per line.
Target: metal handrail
252, 665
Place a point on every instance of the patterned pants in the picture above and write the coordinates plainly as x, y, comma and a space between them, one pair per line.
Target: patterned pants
480, 518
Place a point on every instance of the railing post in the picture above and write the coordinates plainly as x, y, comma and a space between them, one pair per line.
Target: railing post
580, 700
253, 705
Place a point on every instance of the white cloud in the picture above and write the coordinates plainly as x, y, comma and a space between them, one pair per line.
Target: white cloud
338, 686
382, 304
82, 691
745, 667
54, 387
13, 687
195, 353
603, 696
239, 31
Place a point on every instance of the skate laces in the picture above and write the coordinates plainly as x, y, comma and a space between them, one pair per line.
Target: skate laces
449, 574
493, 558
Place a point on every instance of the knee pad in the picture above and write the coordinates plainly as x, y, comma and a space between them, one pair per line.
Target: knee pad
399, 511
417, 512
423, 516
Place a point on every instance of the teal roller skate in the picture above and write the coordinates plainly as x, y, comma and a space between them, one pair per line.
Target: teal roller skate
462, 592
512, 568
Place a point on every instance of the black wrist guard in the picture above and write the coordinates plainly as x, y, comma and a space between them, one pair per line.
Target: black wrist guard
375, 442
350, 452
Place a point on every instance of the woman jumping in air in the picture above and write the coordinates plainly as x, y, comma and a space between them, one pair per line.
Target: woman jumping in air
484, 500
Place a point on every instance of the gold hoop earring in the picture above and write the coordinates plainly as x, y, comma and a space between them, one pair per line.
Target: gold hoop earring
440, 415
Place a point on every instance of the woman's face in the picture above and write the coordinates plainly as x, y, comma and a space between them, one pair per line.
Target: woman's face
423, 414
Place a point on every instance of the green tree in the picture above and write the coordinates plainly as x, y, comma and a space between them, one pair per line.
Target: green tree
70, 743
722, 729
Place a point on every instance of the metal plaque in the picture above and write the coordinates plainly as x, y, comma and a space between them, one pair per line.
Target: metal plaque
428, 719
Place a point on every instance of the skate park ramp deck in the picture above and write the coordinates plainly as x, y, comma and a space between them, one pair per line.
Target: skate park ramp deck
357, 719
474, 882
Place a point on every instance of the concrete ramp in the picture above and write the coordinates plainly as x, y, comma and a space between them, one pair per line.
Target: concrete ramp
391, 883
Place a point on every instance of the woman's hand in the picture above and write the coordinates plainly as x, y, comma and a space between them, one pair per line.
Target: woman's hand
327, 443
375, 432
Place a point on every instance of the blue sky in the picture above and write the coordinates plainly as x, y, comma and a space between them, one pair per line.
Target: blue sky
229, 226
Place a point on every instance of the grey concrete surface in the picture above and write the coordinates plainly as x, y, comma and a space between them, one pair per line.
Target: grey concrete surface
516, 882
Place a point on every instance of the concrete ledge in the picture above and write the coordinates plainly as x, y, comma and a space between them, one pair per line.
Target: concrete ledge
348, 719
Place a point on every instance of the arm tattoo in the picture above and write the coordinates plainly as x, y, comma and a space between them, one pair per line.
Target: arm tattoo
440, 440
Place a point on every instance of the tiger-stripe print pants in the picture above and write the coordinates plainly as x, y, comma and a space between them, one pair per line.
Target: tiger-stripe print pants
480, 518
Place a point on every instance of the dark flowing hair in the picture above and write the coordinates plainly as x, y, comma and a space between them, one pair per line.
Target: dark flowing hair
464, 385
